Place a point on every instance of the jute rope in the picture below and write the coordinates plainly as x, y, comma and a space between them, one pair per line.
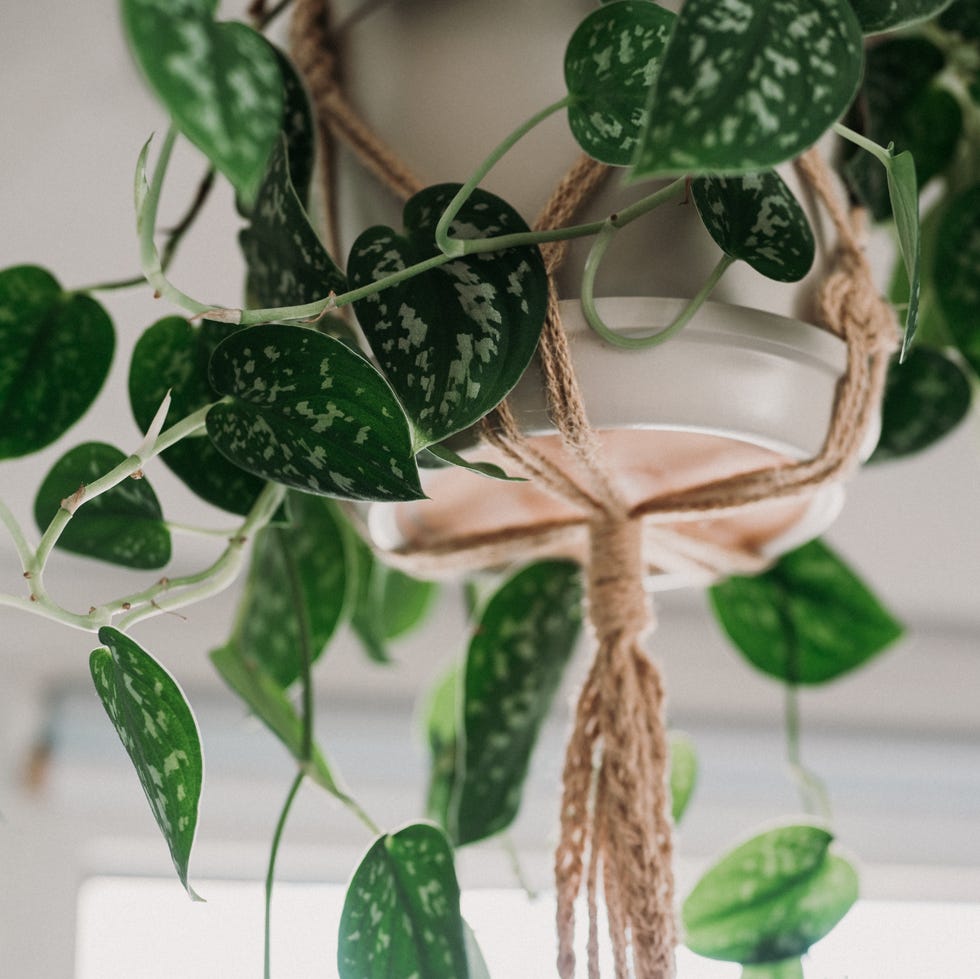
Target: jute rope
616, 831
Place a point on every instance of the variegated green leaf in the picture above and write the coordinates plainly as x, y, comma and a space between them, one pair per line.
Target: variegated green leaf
401, 915
956, 272
516, 659
287, 264
308, 412
454, 340
683, 773
610, 64
219, 81
124, 525
55, 352
771, 898
158, 730
885, 15
441, 729
745, 85
298, 128
756, 218
172, 355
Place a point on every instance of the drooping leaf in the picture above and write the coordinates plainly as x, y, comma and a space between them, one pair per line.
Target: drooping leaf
441, 728
158, 730
885, 15
55, 351
956, 272
287, 264
172, 355
454, 340
401, 915
442, 454
756, 218
308, 412
683, 773
610, 64
219, 81
925, 399
515, 662
124, 525
809, 619
903, 191
771, 898
744, 86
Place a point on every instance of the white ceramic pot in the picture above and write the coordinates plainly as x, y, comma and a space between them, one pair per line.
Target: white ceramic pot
736, 390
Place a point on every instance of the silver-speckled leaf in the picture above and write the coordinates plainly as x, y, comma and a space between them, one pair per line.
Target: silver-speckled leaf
401, 915
745, 85
771, 898
308, 412
452, 341
610, 64
158, 730
885, 15
219, 81
755, 217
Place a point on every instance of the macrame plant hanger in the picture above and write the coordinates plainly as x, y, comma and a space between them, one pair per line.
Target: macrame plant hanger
616, 832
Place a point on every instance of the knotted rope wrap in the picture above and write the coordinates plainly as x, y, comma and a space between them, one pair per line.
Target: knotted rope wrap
615, 821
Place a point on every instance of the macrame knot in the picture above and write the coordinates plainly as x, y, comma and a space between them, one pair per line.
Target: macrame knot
618, 603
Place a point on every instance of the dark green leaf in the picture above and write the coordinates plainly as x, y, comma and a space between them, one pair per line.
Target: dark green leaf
446, 456
172, 355
401, 916
745, 86
515, 662
610, 64
925, 399
454, 340
787, 969
756, 218
124, 525
885, 15
55, 352
287, 265
441, 725
219, 81
963, 18
298, 128
956, 272
158, 730
903, 191
308, 412
683, 773
771, 898
808, 619
406, 601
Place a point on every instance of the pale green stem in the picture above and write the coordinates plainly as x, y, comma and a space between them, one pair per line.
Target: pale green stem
271, 873
869, 145
24, 551
450, 246
191, 531
594, 320
813, 792
47, 609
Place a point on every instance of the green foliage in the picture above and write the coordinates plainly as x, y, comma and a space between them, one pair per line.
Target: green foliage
55, 351
401, 916
683, 773
219, 81
885, 15
454, 340
809, 619
756, 218
124, 525
744, 87
609, 64
771, 898
158, 731
308, 412
956, 272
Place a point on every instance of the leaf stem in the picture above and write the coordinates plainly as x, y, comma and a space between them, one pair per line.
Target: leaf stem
451, 246
813, 792
24, 551
271, 872
868, 145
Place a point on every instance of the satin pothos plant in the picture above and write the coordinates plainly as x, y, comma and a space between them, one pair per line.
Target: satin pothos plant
281, 411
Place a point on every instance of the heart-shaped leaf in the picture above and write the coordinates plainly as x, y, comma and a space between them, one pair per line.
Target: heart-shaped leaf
172, 355
55, 352
926, 398
756, 218
454, 340
808, 619
683, 773
124, 525
514, 664
308, 412
885, 15
771, 898
401, 916
745, 86
158, 730
219, 81
287, 265
610, 64
955, 272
